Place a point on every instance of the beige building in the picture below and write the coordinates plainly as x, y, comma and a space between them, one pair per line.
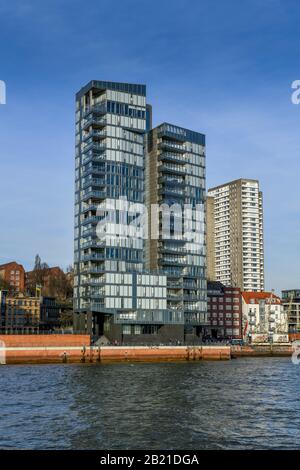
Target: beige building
21, 311
263, 313
210, 238
235, 251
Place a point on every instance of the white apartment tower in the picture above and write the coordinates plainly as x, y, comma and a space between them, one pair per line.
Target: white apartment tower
235, 235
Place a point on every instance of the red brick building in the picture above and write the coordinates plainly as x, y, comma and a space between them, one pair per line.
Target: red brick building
224, 307
14, 274
42, 277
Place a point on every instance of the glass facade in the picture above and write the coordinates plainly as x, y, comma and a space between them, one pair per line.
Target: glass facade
176, 181
110, 128
110, 284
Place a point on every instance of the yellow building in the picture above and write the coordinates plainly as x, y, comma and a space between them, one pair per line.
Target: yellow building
21, 311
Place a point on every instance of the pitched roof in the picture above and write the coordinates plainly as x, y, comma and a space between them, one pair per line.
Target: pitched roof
11, 263
257, 296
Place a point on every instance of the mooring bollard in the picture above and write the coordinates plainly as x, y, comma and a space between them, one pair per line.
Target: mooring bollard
83, 351
91, 353
64, 356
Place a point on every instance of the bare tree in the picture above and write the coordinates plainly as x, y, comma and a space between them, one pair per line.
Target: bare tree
36, 278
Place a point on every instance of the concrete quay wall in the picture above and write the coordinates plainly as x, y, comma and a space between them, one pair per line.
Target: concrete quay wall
262, 350
39, 349
43, 349
165, 353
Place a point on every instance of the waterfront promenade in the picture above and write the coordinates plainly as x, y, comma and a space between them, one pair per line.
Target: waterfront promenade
43, 349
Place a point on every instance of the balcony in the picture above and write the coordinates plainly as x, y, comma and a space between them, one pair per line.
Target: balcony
191, 297
173, 272
94, 134
94, 170
94, 219
89, 232
97, 295
92, 156
174, 297
93, 282
93, 257
174, 285
171, 135
166, 145
94, 121
177, 182
176, 261
89, 207
172, 192
94, 182
176, 250
93, 244
172, 169
94, 146
170, 157
189, 285
159, 317
93, 194
93, 269
97, 110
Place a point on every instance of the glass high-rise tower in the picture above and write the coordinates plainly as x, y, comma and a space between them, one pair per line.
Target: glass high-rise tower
176, 183
110, 128
117, 292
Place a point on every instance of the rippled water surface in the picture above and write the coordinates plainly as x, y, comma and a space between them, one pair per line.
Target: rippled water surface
244, 403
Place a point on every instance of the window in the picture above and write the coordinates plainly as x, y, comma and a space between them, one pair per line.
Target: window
137, 329
126, 329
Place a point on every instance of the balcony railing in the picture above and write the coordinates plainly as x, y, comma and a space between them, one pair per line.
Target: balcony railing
92, 220
172, 191
94, 170
159, 317
93, 156
94, 257
93, 269
94, 135
167, 156
171, 146
89, 207
169, 168
93, 120
93, 244
94, 146
174, 285
99, 109
94, 182
93, 194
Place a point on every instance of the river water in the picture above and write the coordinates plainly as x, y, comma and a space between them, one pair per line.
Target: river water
248, 403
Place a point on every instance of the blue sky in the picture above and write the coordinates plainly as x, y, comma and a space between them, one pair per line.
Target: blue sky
222, 68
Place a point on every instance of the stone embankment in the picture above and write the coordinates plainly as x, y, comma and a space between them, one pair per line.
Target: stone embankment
43, 349
40, 349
